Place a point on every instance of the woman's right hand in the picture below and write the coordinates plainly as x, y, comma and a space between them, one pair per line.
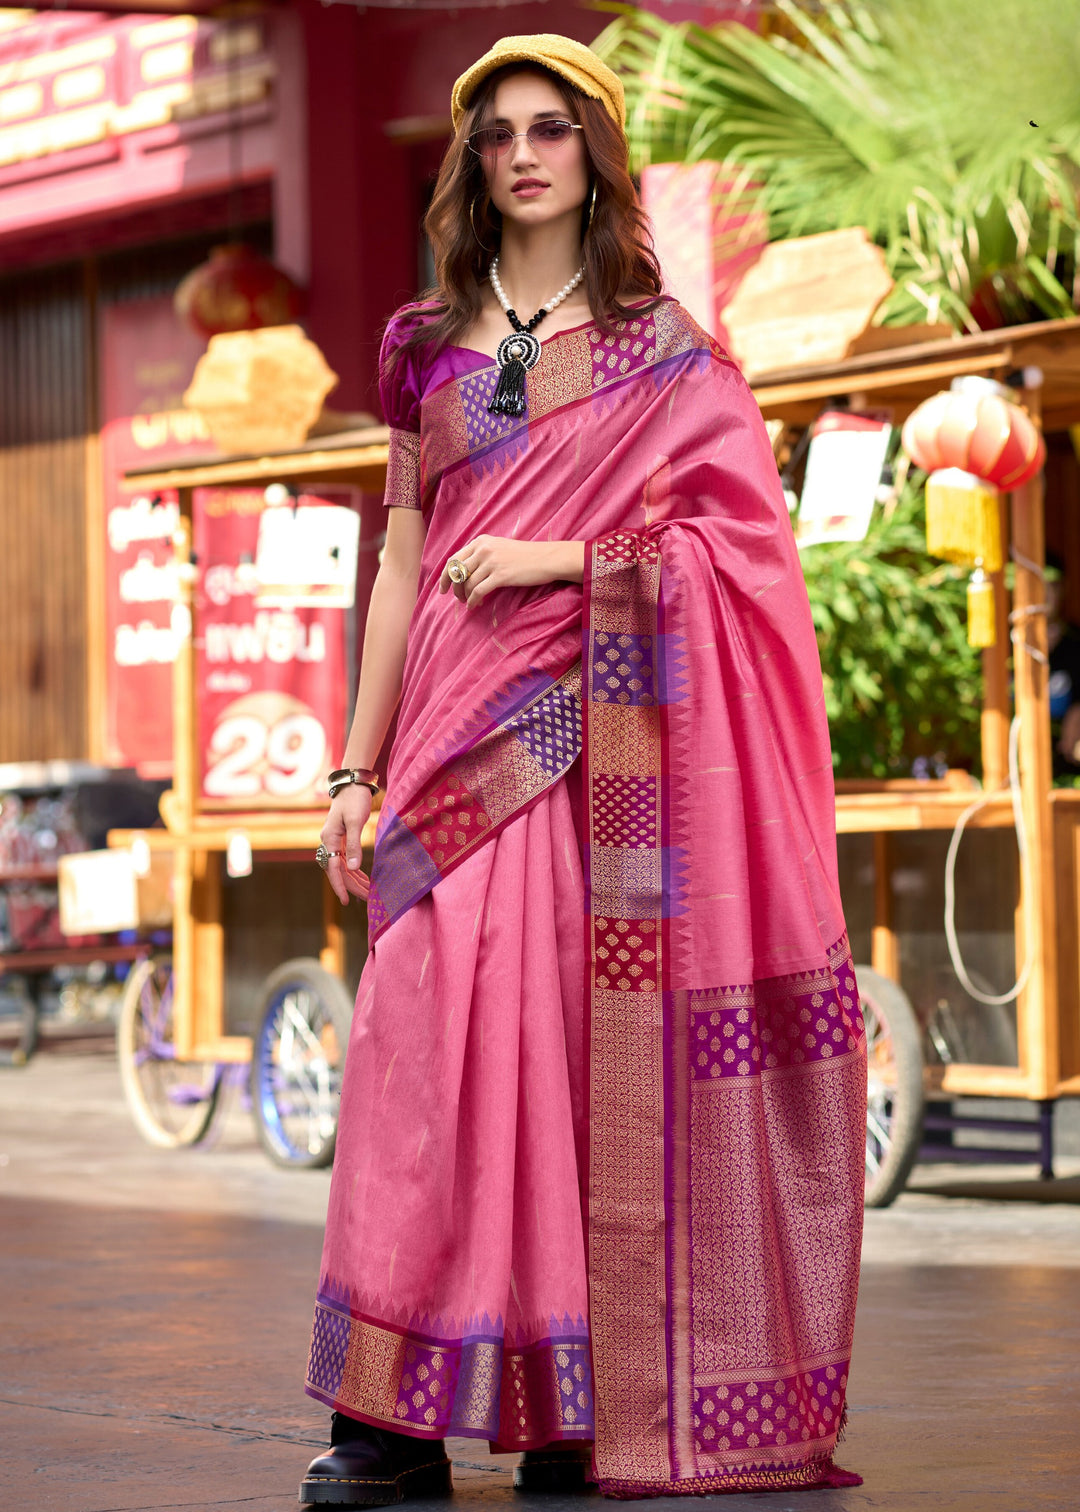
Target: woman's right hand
341, 835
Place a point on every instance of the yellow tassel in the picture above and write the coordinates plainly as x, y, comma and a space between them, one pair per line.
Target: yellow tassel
982, 621
962, 519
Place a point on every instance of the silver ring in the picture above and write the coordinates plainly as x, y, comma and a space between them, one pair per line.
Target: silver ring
322, 857
457, 570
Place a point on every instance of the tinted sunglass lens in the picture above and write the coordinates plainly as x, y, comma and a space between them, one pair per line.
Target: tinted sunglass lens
550, 133
490, 139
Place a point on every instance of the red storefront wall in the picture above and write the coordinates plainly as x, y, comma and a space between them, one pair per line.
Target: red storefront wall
138, 129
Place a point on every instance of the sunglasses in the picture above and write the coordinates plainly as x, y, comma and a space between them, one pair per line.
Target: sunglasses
495, 141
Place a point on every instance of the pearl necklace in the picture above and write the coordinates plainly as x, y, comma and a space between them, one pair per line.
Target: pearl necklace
519, 352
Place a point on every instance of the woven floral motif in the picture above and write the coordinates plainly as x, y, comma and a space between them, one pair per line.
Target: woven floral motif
616, 356
623, 671
550, 730
479, 1385
736, 1418
529, 742
744, 1031
624, 811
403, 471
721, 1325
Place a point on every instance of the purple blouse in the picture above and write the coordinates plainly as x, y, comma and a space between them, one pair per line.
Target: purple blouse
417, 372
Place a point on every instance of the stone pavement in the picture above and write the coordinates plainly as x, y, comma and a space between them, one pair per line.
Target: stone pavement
156, 1308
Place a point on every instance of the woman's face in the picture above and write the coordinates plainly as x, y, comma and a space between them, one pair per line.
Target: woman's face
529, 184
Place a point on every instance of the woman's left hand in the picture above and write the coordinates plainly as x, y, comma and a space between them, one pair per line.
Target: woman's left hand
501, 562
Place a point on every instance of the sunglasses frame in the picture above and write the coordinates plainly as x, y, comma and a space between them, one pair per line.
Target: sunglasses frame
513, 135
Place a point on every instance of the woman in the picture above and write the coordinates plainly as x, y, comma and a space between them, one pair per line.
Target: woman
597, 1193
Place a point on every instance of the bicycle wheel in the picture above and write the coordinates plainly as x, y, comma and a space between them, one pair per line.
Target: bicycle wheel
18, 1022
172, 1102
304, 1020
895, 1098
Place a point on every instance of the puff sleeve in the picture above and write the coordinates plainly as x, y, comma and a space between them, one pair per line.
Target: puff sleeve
399, 394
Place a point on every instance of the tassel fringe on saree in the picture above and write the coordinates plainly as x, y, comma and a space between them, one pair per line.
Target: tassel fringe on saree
608, 837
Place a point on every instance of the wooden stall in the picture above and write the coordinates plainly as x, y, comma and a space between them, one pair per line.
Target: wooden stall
1045, 358
197, 837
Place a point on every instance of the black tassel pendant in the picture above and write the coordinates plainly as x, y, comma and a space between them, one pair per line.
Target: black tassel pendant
510, 394
516, 355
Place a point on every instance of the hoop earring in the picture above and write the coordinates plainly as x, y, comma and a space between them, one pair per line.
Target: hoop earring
592, 206
472, 223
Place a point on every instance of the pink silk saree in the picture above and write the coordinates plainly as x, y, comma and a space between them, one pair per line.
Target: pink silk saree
715, 1100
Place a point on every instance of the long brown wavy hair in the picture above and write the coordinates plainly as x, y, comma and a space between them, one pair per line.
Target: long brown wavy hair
465, 228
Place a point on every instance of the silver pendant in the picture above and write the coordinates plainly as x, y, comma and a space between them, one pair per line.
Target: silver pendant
521, 345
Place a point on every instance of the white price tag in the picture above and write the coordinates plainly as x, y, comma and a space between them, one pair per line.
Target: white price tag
307, 556
843, 469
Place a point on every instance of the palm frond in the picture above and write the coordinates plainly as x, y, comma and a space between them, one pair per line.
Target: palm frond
952, 133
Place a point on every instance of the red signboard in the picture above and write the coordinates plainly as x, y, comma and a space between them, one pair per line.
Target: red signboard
148, 358
274, 662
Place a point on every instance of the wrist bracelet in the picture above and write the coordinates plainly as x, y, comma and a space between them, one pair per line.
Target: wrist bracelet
346, 776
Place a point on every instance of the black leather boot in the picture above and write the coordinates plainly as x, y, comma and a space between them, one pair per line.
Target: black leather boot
559, 1469
375, 1467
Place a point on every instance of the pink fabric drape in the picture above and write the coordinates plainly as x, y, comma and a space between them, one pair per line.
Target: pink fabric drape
721, 1137
454, 1233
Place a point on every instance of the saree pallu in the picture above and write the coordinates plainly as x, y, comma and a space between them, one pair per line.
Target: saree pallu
724, 1063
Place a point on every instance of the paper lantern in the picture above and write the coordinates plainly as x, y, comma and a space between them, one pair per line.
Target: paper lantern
977, 427
236, 289
973, 441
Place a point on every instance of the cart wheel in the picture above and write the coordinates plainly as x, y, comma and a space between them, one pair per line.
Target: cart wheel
304, 1019
18, 1022
172, 1102
894, 1104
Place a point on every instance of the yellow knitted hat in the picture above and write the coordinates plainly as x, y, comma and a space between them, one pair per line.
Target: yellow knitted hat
573, 61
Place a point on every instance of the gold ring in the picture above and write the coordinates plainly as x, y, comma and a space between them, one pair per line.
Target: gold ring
322, 856
457, 570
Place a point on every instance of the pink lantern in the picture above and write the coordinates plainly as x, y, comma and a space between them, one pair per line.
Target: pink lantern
976, 427
973, 441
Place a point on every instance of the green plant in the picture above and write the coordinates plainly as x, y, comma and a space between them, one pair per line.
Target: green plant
901, 681
950, 131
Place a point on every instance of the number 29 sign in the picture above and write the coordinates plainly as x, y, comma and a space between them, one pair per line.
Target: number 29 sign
266, 747
272, 670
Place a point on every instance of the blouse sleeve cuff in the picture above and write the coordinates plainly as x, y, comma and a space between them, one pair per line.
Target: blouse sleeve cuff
403, 471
